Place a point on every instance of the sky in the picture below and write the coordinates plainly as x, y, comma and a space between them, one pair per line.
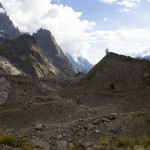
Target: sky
87, 27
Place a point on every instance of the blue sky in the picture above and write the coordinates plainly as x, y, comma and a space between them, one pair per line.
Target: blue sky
112, 15
87, 27
95, 10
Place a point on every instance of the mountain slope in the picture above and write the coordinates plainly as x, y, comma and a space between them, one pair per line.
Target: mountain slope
24, 53
7, 28
53, 52
120, 73
7, 68
81, 64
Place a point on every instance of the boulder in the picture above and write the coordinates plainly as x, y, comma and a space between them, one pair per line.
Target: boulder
4, 90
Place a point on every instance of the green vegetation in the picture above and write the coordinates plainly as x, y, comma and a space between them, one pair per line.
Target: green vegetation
112, 86
5, 51
37, 50
105, 142
75, 146
9, 140
107, 51
2, 71
29, 58
12, 141
126, 142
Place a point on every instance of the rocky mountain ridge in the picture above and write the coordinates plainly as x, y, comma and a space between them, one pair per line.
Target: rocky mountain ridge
37, 56
81, 64
24, 53
119, 72
7, 28
53, 52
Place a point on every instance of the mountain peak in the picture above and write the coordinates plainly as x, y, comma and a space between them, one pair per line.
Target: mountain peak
122, 72
1, 6
45, 31
2, 9
7, 28
81, 64
53, 52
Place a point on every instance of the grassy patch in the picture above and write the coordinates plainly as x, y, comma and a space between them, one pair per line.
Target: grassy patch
29, 58
126, 142
2, 71
75, 146
112, 86
105, 142
9, 140
12, 141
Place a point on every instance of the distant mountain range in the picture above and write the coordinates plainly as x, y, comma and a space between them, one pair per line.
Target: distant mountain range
37, 56
81, 64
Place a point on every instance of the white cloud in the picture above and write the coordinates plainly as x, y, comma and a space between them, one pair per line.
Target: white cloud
123, 41
76, 36
105, 19
126, 5
109, 1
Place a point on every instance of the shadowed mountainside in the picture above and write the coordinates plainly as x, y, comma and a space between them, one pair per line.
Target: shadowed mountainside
118, 72
53, 52
24, 53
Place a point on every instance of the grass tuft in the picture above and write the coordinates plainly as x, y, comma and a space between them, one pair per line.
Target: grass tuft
12, 141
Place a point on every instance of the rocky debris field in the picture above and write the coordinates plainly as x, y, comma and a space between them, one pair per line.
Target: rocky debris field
55, 115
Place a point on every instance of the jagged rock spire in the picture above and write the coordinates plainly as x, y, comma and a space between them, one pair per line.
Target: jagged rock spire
2, 9
7, 28
1, 6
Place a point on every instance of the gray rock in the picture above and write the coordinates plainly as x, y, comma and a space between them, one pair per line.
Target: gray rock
4, 147
96, 121
97, 131
105, 120
40, 144
8, 67
59, 136
61, 145
39, 126
89, 148
4, 90
139, 147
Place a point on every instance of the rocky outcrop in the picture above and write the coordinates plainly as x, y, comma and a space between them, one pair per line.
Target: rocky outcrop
4, 90
8, 68
53, 52
7, 28
26, 55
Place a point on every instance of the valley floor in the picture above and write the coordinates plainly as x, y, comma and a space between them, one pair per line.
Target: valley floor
60, 115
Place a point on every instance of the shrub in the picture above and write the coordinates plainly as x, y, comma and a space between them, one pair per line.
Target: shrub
112, 86
105, 142
12, 141
8, 140
123, 143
